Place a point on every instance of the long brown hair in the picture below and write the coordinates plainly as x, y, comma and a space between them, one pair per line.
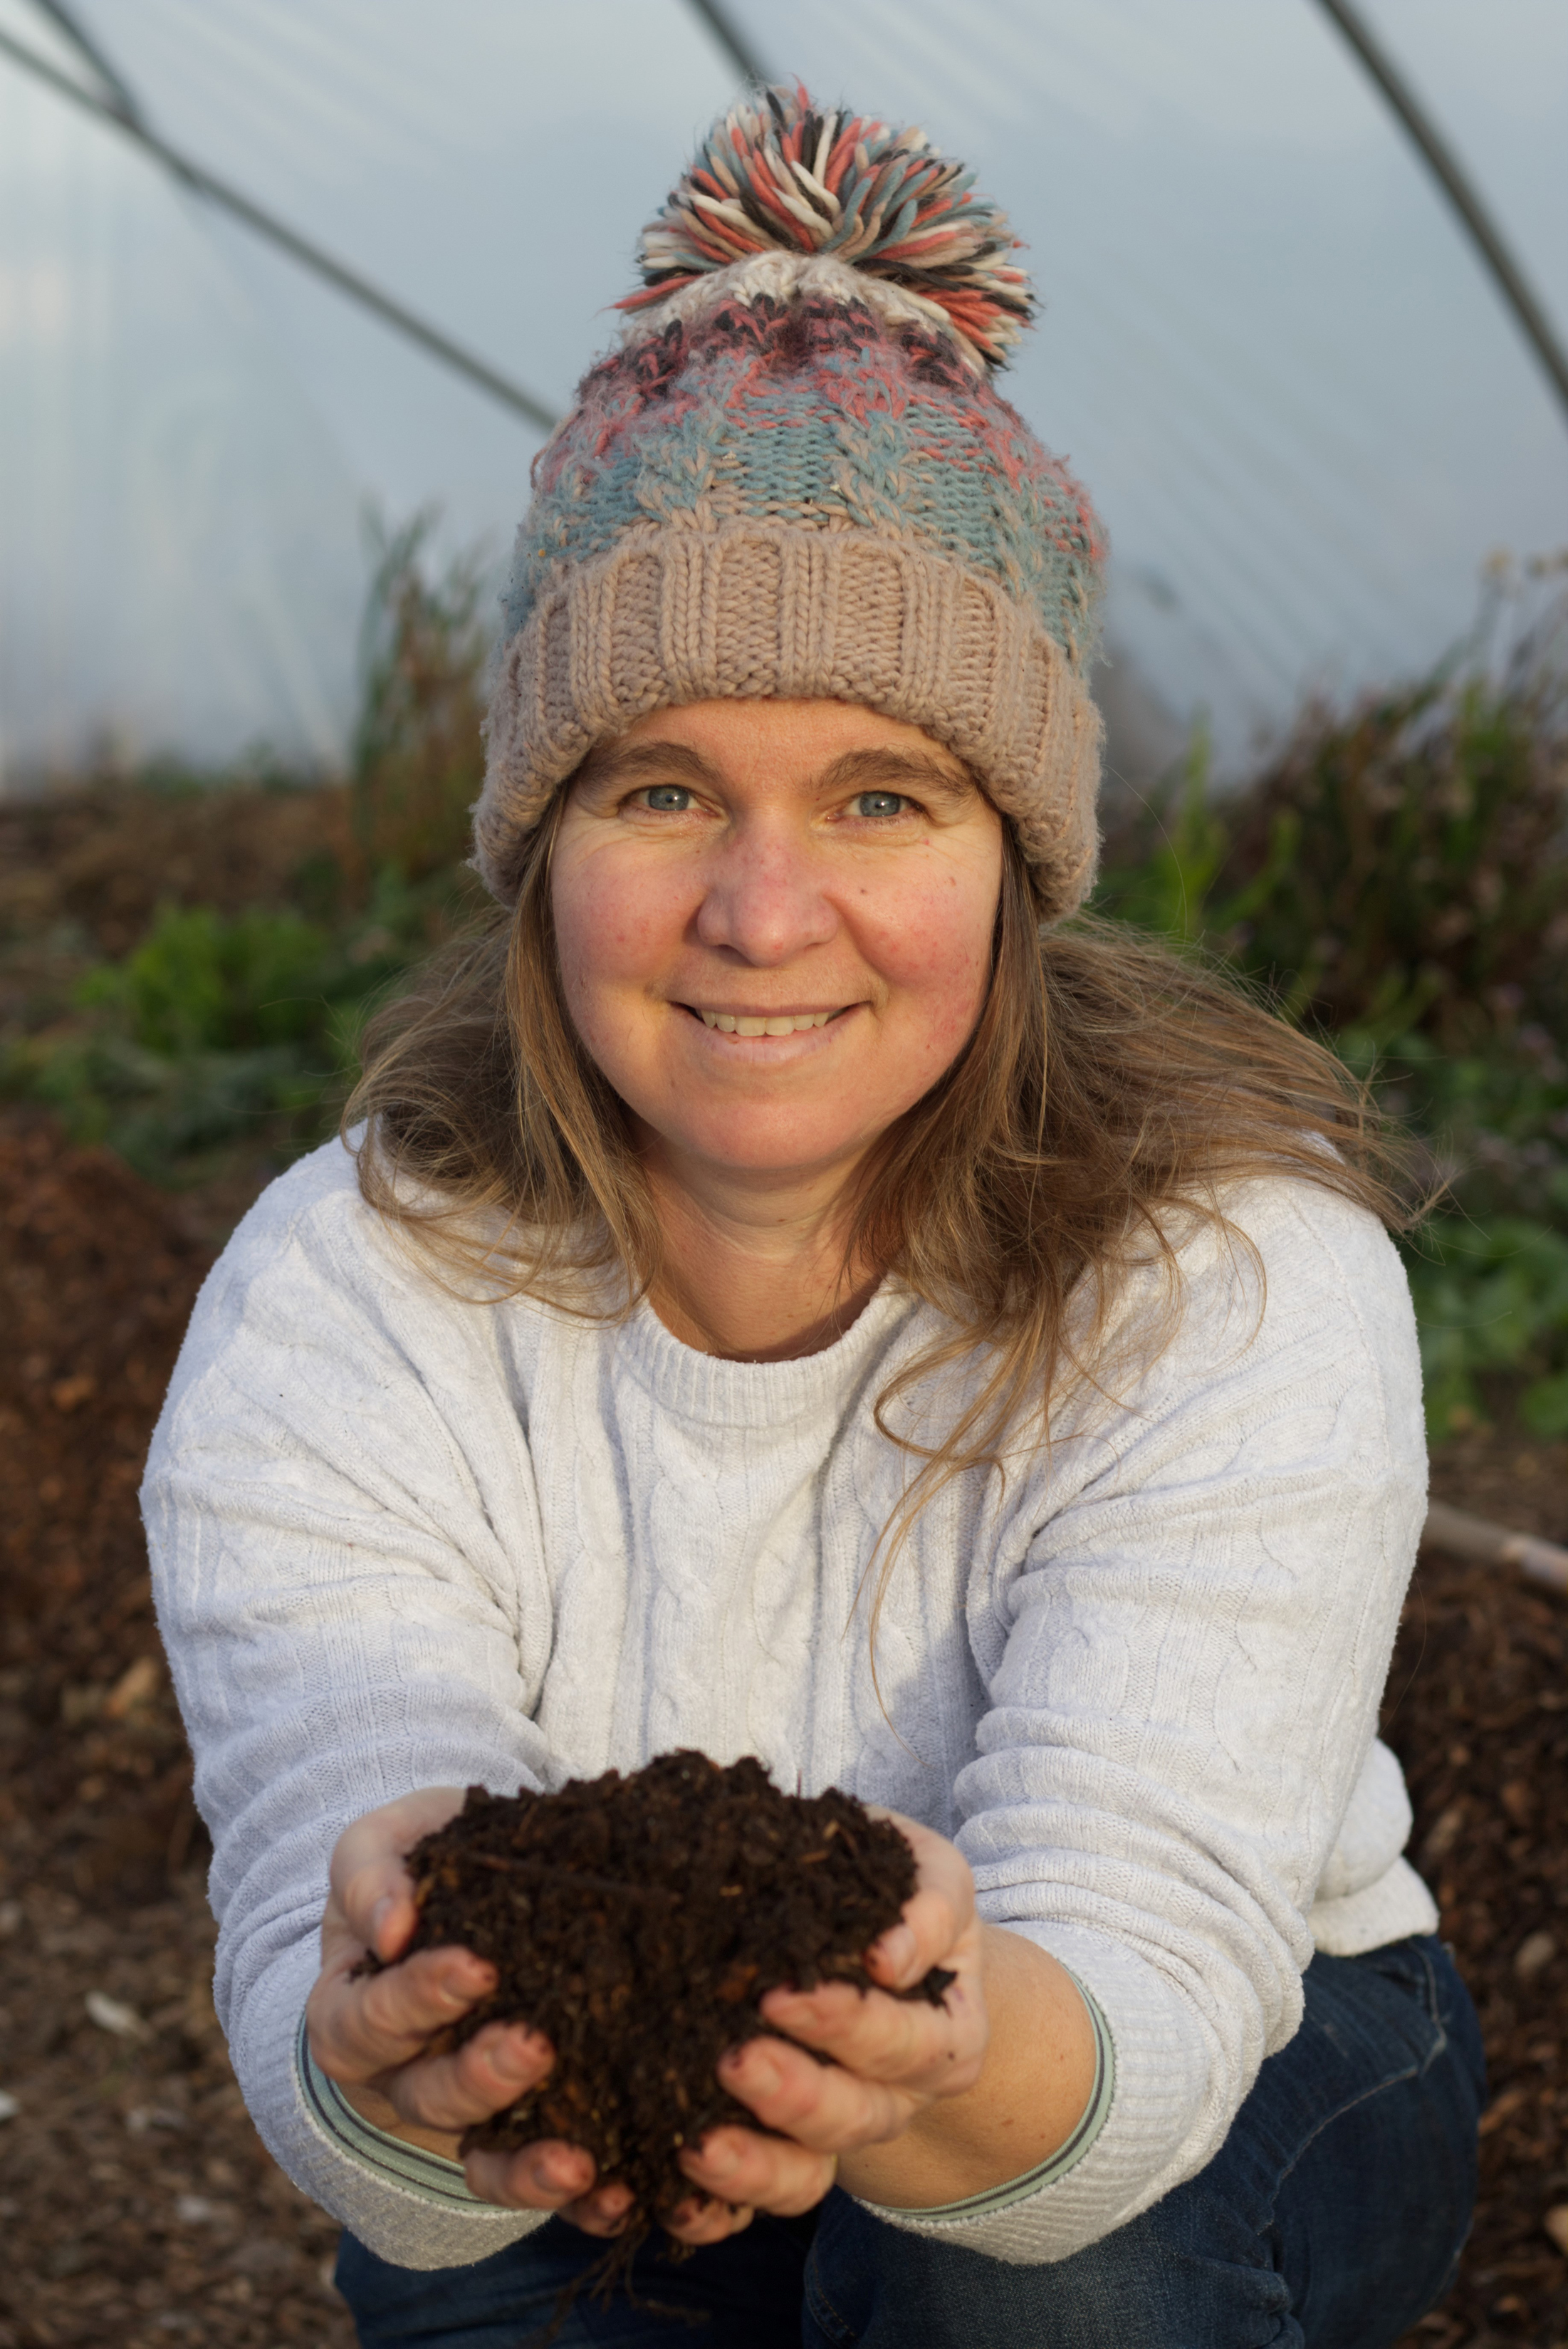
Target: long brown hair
1111, 1090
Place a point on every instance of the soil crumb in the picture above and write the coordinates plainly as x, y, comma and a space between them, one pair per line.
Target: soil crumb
638, 1921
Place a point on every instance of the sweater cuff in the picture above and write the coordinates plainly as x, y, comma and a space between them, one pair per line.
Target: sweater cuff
1066, 2155
429, 2177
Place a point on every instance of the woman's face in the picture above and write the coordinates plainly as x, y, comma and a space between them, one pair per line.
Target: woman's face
774, 921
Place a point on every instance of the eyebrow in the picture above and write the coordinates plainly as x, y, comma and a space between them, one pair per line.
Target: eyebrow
616, 760
908, 770
912, 770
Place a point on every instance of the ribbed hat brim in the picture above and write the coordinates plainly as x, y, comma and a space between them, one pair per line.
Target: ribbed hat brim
671, 615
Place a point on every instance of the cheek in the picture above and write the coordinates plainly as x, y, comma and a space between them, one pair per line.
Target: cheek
611, 934
935, 958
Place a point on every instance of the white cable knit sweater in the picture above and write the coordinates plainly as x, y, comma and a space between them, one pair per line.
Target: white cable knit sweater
401, 1540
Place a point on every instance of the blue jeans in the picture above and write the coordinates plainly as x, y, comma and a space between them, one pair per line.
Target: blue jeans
1332, 2217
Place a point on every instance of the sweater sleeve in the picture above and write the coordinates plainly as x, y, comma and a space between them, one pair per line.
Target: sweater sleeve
350, 1584
1195, 1650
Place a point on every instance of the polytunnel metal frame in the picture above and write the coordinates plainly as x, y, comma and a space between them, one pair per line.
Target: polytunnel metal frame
1457, 185
121, 111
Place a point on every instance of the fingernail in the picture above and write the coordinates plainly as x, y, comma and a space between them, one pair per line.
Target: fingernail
378, 1916
514, 2059
721, 2159
760, 2074
896, 1949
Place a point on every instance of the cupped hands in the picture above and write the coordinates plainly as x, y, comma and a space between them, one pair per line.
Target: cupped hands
384, 2038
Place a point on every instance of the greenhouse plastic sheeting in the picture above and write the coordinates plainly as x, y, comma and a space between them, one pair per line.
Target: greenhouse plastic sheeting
1303, 409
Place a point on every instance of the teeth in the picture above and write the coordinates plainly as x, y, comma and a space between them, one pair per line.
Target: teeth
730, 1023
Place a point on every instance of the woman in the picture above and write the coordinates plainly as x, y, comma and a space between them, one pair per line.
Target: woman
787, 1294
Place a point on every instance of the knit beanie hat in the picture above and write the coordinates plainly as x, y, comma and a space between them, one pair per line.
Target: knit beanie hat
793, 478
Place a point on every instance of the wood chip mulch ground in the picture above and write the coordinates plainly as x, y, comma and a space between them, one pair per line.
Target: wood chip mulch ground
137, 2206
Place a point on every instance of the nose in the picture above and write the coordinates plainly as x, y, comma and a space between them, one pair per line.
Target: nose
765, 900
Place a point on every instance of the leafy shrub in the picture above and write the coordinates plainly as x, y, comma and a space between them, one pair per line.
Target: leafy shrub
218, 1030
1418, 854
1397, 878
1492, 1298
1491, 1284
201, 982
1398, 869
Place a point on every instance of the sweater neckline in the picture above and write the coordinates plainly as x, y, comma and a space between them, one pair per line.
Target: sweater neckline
709, 1390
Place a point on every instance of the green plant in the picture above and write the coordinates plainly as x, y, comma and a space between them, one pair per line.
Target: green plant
1492, 1297
219, 1032
1177, 861
1397, 869
1489, 1285
200, 982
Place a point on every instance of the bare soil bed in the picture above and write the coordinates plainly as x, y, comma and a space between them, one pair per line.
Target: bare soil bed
87, 870
139, 2206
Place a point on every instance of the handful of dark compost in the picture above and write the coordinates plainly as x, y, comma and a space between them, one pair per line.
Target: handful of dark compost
638, 1923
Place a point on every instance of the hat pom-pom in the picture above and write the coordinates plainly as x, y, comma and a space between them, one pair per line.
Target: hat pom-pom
774, 175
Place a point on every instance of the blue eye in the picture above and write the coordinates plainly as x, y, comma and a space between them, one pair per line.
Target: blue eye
882, 803
669, 799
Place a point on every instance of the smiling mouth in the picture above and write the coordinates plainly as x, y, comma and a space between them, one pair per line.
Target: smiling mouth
780, 1023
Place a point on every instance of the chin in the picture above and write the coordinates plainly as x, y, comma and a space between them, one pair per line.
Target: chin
785, 1150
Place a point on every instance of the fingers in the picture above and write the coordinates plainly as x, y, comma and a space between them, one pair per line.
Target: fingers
549, 2175
737, 2167
371, 1894
361, 2028
604, 2212
938, 1916
704, 2220
924, 2050
820, 2109
485, 2076
909, 2045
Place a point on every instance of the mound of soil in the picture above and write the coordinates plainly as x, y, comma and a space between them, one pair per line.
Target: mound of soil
638, 1921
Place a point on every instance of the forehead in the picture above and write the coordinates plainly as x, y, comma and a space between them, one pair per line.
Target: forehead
777, 741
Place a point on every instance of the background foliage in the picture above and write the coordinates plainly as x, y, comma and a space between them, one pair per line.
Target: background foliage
230, 1030
1395, 877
